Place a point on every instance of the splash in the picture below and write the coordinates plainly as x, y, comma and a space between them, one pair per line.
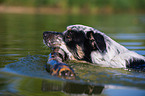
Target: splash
31, 65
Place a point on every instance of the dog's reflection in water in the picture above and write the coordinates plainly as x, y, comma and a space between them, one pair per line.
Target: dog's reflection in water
71, 88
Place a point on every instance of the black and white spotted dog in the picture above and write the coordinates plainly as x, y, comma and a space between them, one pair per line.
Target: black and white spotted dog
86, 43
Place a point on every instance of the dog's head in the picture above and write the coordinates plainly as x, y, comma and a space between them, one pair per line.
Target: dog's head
86, 36
52, 39
77, 41
74, 36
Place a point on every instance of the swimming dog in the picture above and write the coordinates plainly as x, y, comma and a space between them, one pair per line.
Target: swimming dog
81, 42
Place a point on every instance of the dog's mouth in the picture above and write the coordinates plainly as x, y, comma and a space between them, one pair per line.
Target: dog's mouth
68, 39
50, 43
52, 39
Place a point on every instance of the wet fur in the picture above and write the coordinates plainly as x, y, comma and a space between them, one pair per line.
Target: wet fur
88, 44
100, 49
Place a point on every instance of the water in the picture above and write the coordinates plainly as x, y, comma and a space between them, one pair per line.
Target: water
23, 56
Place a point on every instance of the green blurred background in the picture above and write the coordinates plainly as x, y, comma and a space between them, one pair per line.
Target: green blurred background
76, 6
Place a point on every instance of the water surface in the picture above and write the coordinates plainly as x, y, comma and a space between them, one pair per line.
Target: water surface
23, 56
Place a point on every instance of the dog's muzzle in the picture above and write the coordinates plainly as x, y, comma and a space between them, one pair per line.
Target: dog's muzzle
52, 39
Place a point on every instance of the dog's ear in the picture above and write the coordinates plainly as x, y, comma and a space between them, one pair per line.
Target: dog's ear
97, 41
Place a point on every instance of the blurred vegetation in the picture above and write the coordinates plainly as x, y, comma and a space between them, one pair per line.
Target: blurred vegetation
106, 6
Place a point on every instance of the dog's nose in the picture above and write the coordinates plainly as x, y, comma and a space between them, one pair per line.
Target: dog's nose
45, 34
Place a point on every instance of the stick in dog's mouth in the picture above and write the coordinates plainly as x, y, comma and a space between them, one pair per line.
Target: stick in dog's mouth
56, 67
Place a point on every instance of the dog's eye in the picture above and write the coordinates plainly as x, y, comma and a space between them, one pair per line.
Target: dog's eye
70, 32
